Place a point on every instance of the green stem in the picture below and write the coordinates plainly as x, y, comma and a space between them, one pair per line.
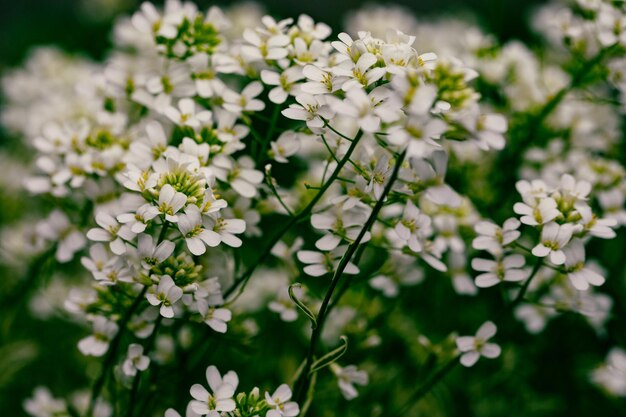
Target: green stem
112, 352
135, 388
520, 295
302, 385
243, 279
427, 387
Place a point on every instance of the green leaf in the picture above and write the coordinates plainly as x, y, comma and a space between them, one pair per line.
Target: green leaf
301, 305
330, 357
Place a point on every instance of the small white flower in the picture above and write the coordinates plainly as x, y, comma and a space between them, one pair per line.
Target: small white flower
545, 211
280, 404
135, 360
287, 144
139, 220
215, 318
473, 347
245, 101
186, 115
110, 231
224, 230
554, 237
240, 175
285, 83
98, 343
151, 254
220, 399
165, 294
196, 236
508, 268
494, 238
413, 227
602, 228
611, 375
361, 74
312, 109
170, 412
269, 49
580, 275
170, 202
57, 228
347, 377
43, 404
318, 263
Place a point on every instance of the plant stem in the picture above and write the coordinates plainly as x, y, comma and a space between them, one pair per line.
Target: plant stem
243, 279
427, 387
302, 385
522, 291
136, 380
112, 352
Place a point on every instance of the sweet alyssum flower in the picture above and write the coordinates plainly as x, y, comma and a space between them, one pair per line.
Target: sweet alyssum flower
507, 268
135, 360
220, 399
165, 295
280, 404
473, 347
347, 377
554, 237
98, 343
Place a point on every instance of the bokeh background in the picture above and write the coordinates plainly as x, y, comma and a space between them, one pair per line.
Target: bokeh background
554, 382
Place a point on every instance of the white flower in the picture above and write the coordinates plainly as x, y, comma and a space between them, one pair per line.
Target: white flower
487, 129
602, 228
224, 230
43, 404
368, 110
271, 48
151, 254
321, 81
135, 360
57, 228
319, 264
185, 114
340, 225
110, 231
285, 83
245, 101
196, 236
473, 347
280, 404
287, 144
361, 73
139, 220
612, 374
580, 275
165, 294
241, 175
312, 109
98, 343
98, 258
220, 399
170, 412
170, 202
347, 377
215, 318
542, 213
413, 227
508, 268
494, 238
553, 238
